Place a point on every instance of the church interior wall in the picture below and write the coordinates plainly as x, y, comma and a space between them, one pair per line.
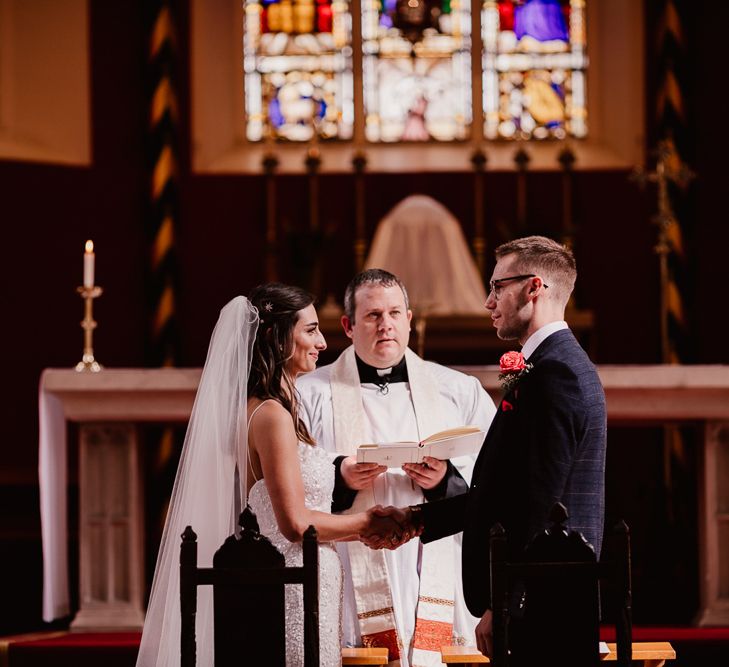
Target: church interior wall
48, 212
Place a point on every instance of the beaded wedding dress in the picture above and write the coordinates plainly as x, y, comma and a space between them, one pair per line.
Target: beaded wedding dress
317, 473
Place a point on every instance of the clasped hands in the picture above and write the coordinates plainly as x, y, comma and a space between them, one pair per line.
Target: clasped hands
389, 527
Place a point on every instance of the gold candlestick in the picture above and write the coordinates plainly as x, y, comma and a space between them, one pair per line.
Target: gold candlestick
88, 363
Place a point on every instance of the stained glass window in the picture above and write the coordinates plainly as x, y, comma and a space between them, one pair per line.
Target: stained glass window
416, 69
298, 69
534, 63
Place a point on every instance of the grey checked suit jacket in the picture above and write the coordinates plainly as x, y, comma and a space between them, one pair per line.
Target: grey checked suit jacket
546, 444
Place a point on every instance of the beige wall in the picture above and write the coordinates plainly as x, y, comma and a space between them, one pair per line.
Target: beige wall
44, 81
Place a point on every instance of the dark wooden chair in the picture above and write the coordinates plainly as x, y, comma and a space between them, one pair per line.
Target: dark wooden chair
248, 578
549, 601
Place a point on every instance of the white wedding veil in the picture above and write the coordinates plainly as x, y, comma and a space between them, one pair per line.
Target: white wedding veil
205, 494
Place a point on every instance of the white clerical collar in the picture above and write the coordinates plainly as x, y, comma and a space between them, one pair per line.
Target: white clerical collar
382, 376
540, 335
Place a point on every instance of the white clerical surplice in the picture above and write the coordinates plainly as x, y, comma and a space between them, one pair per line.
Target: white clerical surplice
409, 599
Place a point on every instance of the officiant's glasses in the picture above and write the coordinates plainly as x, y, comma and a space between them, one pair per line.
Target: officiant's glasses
495, 285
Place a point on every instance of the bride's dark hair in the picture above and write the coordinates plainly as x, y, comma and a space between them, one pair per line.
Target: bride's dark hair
278, 308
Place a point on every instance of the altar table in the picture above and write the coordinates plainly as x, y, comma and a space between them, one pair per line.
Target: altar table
107, 405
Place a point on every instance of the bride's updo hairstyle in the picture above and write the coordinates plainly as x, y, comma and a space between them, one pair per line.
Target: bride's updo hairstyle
278, 309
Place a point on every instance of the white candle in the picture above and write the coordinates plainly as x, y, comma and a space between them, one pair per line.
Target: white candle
89, 264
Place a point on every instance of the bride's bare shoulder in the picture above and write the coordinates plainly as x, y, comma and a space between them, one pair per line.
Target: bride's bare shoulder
267, 414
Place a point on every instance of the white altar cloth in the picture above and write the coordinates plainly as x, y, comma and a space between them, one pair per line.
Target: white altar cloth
52, 480
113, 395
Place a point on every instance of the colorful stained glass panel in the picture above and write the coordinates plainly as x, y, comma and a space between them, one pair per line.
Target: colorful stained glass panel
298, 70
534, 64
416, 69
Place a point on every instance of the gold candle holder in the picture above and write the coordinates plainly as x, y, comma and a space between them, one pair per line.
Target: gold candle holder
88, 363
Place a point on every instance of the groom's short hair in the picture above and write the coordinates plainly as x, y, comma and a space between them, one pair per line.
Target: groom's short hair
370, 277
545, 257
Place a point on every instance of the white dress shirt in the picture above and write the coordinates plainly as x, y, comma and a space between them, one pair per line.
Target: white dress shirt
540, 335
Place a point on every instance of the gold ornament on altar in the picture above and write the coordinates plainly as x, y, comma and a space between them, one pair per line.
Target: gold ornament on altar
89, 292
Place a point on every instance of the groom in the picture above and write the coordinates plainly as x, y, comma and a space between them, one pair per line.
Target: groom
547, 440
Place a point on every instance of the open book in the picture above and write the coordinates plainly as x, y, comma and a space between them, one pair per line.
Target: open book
443, 445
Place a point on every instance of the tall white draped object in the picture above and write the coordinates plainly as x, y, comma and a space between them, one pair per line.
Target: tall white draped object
422, 243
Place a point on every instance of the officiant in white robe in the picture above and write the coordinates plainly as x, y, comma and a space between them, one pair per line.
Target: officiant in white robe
410, 599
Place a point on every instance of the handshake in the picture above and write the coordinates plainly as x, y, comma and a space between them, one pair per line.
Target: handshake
390, 527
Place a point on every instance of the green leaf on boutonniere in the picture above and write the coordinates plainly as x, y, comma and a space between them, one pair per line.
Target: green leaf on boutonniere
510, 379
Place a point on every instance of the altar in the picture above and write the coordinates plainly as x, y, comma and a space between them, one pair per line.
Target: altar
108, 405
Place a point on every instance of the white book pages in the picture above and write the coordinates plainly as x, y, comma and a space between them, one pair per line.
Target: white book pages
444, 445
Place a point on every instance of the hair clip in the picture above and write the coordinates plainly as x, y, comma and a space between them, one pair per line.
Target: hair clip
268, 306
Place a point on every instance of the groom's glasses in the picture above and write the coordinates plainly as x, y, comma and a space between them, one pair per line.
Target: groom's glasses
496, 285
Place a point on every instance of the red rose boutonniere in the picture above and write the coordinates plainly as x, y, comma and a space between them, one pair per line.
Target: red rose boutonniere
513, 367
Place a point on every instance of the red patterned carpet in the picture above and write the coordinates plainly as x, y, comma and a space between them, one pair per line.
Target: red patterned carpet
695, 647
72, 649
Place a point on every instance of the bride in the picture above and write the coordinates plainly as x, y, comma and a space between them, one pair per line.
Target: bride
245, 424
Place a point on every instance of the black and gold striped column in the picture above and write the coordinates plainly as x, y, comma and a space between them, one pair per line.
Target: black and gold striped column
163, 128
163, 443
672, 177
